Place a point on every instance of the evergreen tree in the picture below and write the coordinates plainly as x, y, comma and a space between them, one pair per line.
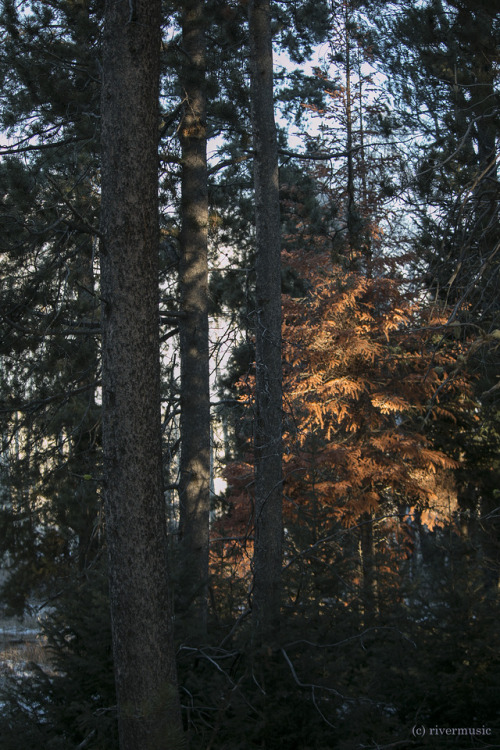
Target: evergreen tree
50, 306
194, 480
444, 75
143, 651
268, 378
52, 518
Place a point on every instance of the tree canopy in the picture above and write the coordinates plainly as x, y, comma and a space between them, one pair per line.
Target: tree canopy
249, 397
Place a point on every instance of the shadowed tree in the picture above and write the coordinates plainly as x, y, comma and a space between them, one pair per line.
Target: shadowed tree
268, 392
148, 704
194, 490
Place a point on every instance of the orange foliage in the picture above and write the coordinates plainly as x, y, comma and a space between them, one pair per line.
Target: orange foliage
362, 374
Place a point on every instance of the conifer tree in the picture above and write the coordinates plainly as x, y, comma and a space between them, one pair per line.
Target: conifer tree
268, 390
50, 310
194, 481
52, 516
453, 45
444, 74
141, 617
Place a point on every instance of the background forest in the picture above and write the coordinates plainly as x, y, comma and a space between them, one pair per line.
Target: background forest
330, 453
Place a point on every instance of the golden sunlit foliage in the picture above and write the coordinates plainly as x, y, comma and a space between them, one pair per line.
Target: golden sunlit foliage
366, 369
362, 376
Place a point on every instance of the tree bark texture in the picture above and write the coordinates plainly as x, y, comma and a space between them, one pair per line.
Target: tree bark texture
148, 705
352, 239
268, 398
368, 569
85, 447
483, 108
194, 488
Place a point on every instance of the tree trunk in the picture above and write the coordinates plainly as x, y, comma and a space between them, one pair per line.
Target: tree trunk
352, 239
482, 107
368, 569
268, 398
195, 386
148, 705
84, 448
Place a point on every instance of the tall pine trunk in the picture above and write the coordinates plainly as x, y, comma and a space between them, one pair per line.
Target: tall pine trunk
268, 398
368, 568
352, 239
148, 706
84, 446
482, 106
194, 350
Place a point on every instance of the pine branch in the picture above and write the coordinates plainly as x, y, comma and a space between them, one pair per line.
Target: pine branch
319, 155
169, 335
86, 227
31, 406
229, 163
16, 149
77, 330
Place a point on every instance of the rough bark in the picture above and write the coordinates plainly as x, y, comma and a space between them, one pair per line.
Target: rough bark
368, 569
85, 447
194, 350
268, 399
148, 706
482, 106
351, 200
